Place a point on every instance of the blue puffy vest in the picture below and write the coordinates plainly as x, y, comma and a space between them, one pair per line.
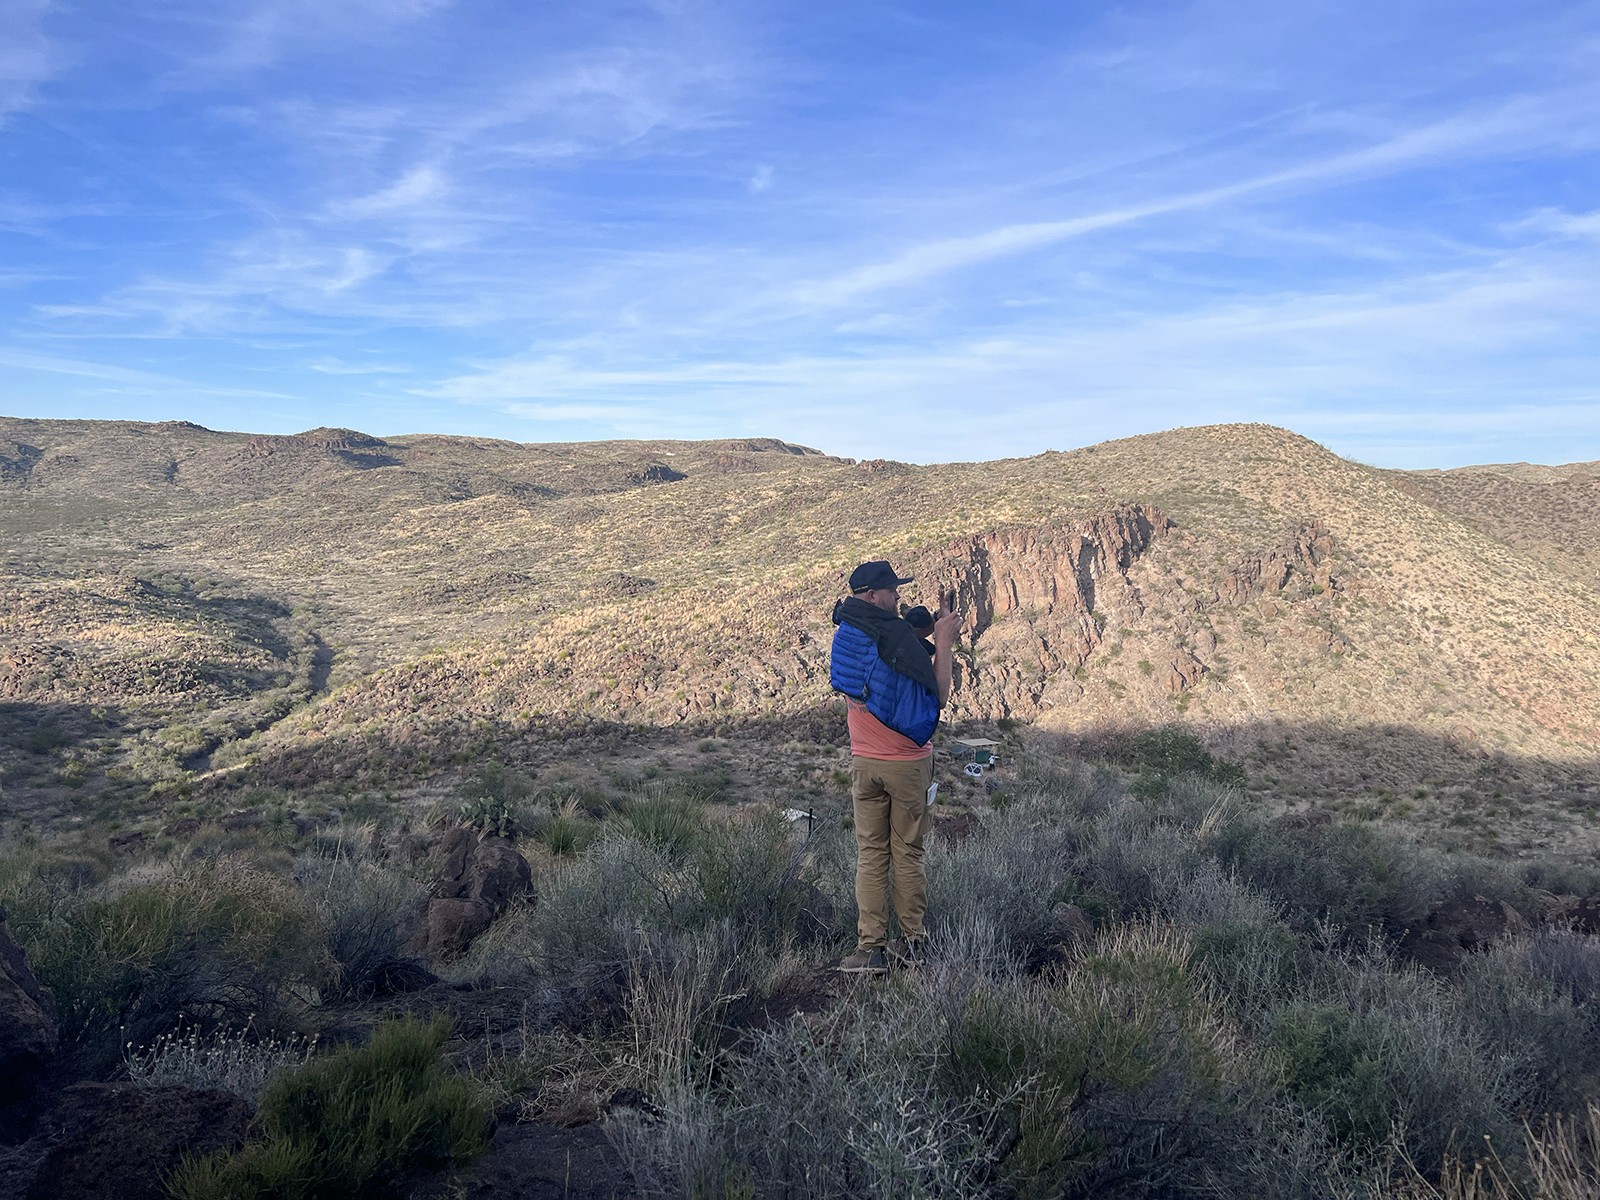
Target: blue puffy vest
902, 704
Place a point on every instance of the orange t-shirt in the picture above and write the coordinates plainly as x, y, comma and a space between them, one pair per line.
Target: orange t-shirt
871, 738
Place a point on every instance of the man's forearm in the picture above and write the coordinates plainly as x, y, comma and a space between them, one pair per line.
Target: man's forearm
943, 648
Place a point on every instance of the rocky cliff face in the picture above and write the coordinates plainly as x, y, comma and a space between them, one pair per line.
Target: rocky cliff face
1037, 600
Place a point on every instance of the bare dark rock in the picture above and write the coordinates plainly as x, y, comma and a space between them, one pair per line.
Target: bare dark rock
496, 874
477, 880
129, 843
1580, 913
657, 473
959, 827
452, 850
1460, 926
399, 976
1185, 672
182, 827
117, 1141
28, 1033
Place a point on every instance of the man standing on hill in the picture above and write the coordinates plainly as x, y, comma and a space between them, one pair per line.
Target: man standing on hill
894, 690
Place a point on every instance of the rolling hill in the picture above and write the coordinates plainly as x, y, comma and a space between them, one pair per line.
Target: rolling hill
195, 613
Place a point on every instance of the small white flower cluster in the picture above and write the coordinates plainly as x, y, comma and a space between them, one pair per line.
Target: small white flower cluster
238, 1061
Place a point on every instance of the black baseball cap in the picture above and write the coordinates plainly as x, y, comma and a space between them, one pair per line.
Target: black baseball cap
878, 574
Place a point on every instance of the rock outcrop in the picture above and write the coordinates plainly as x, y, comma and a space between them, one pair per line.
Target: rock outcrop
477, 881
1035, 600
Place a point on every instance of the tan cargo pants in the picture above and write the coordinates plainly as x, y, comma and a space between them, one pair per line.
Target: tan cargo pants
891, 818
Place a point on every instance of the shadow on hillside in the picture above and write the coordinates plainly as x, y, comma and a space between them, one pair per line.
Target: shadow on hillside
1389, 770
39, 729
36, 741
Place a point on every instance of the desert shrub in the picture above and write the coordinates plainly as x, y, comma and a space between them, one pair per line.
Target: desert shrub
1109, 1077
240, 1061
1170, 751
836, 1110
366, 912
670, 821
1066, 790
1338, 1064
1563, 958
216, 941
1382, 1051
750, 872
562, 825
1254, 963
587, 906
1010, 878
1521, 999
351, 1124
1353, 877
35, 874
707, 784
1125, 1062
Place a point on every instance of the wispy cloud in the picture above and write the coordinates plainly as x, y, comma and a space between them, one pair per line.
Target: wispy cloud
1296, 358
28, 56
256, 35
1456, 135
23, 360
422, 186
335, 366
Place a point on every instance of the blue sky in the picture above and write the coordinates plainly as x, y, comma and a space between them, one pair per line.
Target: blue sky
926, 231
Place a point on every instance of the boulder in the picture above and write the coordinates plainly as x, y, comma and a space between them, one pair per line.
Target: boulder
27, 1031
453, 923
1460, 926
496, 874
118, 1141
129, 844
452, 852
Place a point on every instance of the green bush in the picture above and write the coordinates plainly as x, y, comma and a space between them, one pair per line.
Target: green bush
1339, 1064
1388, 1053
351, 1124
749, 874
1170, 751
669, 821
215, 941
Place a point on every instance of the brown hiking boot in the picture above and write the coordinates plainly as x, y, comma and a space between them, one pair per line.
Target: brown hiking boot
866, 962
